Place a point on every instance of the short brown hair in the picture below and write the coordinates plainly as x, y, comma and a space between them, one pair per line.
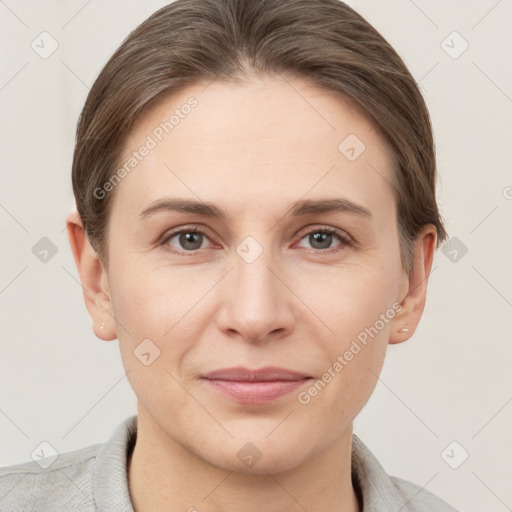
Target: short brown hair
323, 41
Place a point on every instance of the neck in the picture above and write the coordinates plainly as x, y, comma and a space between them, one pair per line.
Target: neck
165, 476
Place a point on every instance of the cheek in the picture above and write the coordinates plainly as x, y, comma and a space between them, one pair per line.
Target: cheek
152, 341
149, 303
353, 359
352, 299
155, 323
358, 308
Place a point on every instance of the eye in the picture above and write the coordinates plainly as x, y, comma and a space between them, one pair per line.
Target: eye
321, 239
190, 239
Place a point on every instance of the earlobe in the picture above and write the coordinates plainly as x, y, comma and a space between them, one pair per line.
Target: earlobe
93, 278
406, 321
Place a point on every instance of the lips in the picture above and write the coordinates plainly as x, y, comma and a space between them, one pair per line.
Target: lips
269, 373
252, 387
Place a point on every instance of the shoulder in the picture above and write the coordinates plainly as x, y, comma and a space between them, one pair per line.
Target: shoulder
381, 492
61, 484
419, 499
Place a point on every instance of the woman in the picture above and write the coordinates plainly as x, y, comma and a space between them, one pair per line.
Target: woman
256, 220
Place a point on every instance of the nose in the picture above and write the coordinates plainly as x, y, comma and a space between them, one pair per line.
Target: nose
257, 303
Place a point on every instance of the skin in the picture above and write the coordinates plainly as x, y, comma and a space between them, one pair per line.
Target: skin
253, 149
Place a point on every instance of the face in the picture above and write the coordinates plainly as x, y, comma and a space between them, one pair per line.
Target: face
301, 262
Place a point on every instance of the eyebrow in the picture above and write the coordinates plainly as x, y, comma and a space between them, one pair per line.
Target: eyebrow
300, 208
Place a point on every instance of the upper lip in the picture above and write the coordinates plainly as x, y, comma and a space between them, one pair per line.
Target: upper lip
268, 373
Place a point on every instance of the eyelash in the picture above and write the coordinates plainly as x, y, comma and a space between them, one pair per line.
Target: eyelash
346, 241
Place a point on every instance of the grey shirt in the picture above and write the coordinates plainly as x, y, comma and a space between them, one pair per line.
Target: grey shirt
95, 479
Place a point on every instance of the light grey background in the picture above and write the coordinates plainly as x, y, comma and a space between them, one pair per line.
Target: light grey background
450, 382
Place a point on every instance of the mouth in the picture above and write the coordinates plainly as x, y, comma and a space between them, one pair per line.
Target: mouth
255, 386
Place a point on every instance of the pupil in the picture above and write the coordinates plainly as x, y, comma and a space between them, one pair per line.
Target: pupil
187, 238
322, 237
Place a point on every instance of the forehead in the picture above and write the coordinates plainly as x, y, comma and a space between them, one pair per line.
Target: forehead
264, 138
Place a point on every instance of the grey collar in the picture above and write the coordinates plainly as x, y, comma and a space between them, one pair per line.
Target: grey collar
111, 490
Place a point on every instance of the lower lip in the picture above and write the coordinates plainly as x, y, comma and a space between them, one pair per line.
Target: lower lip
256, 392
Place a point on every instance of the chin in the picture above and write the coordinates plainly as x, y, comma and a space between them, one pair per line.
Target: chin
258, 457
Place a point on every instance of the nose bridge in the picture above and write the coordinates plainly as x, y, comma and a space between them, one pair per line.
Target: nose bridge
254, 281
258, 302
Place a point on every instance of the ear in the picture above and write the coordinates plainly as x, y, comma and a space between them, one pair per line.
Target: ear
94, 279
414, 302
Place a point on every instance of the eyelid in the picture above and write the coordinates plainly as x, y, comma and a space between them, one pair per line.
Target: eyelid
323, 228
